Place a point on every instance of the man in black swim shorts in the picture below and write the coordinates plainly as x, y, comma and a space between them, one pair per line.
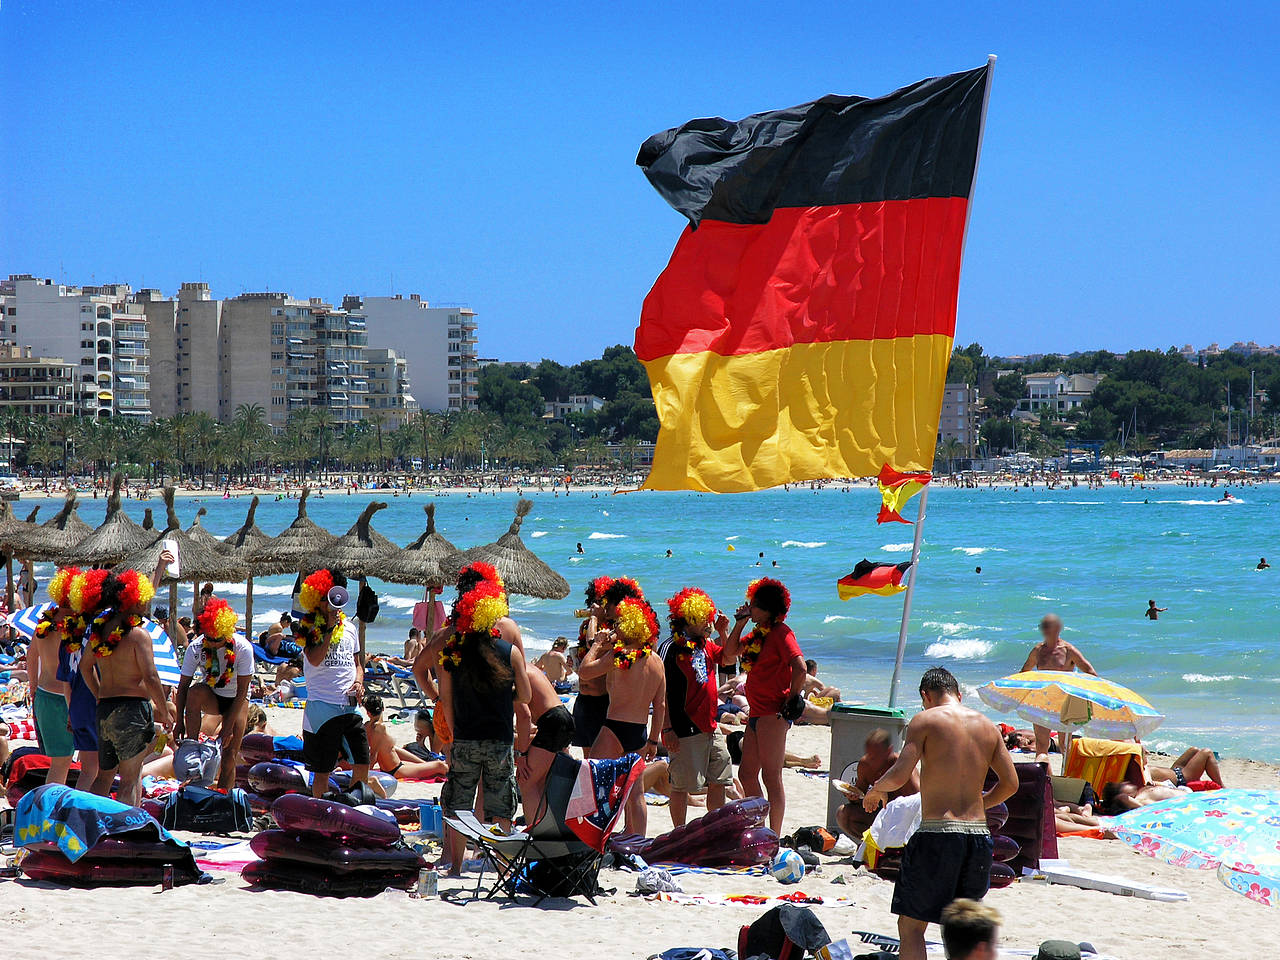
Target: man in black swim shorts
950, 855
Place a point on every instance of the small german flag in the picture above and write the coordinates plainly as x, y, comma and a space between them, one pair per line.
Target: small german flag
884, 579
895, 490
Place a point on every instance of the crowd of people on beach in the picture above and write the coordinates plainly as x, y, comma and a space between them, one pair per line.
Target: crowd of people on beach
705, 694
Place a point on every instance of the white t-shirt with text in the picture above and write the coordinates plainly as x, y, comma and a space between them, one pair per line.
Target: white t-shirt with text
193, 664
330, 681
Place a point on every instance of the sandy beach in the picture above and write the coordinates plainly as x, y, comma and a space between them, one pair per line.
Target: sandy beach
229, 919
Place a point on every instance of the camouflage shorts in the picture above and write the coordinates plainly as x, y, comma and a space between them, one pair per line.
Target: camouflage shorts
473, 762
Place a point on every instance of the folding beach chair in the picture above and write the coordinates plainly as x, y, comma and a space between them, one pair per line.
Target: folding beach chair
398, 689
560, 854
264, 664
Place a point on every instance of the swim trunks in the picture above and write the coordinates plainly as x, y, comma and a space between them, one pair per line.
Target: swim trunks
1180, 777
125, 729
944, 860
52, 729
589, 711
555, 730
632, 736
340, 735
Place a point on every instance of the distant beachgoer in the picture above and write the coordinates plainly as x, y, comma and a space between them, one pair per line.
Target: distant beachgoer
970, 930
413, 644
668, 552
1119, 797
949, 856
1194, 763
1262, 564
257, 722
813, 687
1153, 612
580, 550
385, 755
977, 569
877, 758
555, 665
27, 584
1053, 653
775, 671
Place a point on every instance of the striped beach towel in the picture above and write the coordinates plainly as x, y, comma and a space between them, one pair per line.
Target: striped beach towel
165, 657
25, 620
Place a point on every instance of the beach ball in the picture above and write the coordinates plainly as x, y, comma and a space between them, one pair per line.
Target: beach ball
787, 866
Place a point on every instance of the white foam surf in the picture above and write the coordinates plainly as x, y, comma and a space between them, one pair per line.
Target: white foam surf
808, 545
960, 649
834, 617
896, 548
607, 536
538, 533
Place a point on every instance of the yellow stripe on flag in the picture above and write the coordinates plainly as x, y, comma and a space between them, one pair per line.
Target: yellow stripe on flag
847, 591
806, 412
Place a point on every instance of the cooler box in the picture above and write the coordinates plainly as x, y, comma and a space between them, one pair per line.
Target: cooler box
850, 725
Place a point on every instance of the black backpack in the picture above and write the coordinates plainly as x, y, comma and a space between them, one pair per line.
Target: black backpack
207, 811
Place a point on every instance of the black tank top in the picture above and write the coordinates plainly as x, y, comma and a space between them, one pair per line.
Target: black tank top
479, 711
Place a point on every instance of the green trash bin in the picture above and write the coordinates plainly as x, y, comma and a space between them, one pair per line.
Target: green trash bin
850, 725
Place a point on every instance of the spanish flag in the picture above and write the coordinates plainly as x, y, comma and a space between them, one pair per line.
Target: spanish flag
884, 579
802, 327
895, 490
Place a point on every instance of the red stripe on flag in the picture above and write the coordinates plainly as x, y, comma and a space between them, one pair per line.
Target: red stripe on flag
861, 271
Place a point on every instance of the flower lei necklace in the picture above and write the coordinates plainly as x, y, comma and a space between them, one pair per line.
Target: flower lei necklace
105, 646
451, 652
211, 677
49, 621
687, 646
624, 657
311, 635
750, 651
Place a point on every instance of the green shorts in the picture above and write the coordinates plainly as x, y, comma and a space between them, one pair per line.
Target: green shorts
52, 727
473, 762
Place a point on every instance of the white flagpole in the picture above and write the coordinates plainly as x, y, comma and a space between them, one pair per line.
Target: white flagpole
906, 598
924, 494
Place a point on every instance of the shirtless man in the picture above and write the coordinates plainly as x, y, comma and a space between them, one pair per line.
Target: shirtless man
1153, 612
949, 856
387, 756
553, 723
413, 645
878, 757
130, 695
555, 664
1054, 653
50, 697
591, 705
637, 692
813, 687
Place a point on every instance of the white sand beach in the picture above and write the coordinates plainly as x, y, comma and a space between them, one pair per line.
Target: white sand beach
228, 919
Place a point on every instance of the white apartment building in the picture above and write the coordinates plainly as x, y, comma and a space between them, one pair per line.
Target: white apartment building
439, 344
97, 328
1057, 391
577, 403
388, 375
959, 417
35, 386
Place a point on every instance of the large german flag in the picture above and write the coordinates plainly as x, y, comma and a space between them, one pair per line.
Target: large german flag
803, 326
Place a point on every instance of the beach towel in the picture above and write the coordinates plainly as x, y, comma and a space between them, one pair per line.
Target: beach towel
1104, 761
611, 781
76, 820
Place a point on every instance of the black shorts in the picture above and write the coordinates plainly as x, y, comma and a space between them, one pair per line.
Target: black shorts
588, 717
125, 729
938, 868
555, 730
224, 704
341, 736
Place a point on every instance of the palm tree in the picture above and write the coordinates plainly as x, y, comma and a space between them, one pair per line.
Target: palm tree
321, 423
249, 427
378, 418
950, 450
14, 422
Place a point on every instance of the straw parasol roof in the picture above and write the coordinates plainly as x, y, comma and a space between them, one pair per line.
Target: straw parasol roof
519, 566
64, 530
429, 559
116, 538
249, 537
292, 549
362, 551
195, 560
200, 535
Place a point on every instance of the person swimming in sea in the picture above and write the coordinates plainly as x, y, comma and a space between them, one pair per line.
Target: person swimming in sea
1153, 612
1262, 564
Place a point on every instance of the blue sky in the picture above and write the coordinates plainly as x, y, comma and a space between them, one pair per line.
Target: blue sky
484, 153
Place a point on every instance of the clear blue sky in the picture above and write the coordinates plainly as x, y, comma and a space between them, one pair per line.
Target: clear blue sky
1128, 193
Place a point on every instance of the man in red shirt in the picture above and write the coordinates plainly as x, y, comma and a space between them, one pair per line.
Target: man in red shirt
699, 755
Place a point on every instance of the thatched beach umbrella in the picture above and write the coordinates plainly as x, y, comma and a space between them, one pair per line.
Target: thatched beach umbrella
64, 530
116, 537
431, 560
292, 549
521, 569
200, 535
15, 537
240, 544
196, 561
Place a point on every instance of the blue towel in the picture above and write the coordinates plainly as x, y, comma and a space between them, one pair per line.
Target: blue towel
76, 820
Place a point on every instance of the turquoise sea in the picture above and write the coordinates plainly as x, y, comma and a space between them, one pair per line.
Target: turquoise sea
1095, 557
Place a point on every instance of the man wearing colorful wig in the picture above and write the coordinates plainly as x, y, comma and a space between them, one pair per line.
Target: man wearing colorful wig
50, 695
331, 723
637, 686
126, 684
224, 662
690, 732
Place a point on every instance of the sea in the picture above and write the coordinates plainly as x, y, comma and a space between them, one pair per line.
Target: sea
993, 561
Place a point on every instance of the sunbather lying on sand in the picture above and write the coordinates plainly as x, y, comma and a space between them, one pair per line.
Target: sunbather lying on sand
1193, 764
385, 754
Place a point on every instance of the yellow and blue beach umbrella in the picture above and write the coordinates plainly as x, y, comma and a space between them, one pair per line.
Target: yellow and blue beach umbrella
1061, 701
